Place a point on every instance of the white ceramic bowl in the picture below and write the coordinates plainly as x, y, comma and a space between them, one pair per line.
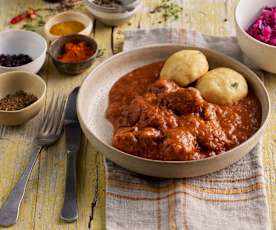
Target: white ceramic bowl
93, 101
111, 18
25, 42
68, 16
263, 55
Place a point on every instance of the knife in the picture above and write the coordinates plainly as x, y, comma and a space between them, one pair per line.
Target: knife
72, 131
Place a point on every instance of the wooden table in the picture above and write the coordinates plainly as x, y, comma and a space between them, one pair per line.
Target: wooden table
44, 196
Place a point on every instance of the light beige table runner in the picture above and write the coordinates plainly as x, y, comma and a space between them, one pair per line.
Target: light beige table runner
233, 198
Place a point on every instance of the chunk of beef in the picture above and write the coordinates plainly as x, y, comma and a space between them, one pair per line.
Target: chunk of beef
183, 101
138, 142
179, 144
212, 137
147, 115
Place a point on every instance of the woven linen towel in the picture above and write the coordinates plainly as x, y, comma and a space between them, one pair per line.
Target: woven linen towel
233, 198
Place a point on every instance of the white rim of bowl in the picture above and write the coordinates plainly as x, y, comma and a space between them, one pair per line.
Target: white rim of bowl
35, 76
261, 128
246, 34
52, 19
111, 15
26, 31
105, 9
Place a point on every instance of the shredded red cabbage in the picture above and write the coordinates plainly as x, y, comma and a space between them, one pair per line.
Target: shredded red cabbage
264, 28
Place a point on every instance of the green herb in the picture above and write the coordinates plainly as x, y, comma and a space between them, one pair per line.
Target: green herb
235, 85
168, 10
33, 24
41, 22
28, 26
100, 53
69, 5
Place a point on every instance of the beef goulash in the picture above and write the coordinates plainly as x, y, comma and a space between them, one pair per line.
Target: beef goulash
159, 119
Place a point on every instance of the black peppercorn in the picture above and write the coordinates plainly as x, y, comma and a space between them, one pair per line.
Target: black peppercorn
8, 60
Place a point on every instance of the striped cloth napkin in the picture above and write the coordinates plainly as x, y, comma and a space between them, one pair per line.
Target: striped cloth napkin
233, 198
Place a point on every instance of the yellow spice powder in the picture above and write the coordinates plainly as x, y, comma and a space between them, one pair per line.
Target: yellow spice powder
66, 28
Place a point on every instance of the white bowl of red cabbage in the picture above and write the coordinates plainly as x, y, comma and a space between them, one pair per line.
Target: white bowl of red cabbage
21, 51
256, 31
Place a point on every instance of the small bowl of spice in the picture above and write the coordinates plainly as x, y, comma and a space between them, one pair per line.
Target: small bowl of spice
73, 54
21, 51
21, 101
67, 23
113, 12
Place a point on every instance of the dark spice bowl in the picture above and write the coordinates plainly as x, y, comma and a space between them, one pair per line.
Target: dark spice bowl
72, 68
12, 82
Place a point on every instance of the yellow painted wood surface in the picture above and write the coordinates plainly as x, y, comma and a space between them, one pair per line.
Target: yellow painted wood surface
44, 196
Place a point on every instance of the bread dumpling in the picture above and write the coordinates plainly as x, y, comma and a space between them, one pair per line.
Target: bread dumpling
184, 67
222, 86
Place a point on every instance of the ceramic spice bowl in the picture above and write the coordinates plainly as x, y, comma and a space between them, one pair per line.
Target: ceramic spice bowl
113, 16
56, 49
27, 82
68, 16
14, 42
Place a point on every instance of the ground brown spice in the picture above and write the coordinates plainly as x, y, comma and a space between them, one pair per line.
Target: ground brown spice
19, 100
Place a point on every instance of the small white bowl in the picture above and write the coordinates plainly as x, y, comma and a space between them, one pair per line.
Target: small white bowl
111, 18
25, 42
262, 54
68, 16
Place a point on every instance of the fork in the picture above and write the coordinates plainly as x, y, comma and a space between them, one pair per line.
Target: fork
50, 132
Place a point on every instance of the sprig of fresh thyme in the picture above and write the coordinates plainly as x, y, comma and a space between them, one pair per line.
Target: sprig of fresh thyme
168, 10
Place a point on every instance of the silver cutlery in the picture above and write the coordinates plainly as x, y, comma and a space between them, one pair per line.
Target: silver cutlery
50, 132
72, 131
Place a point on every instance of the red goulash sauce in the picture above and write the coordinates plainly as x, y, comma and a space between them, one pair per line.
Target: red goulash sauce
157, 119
